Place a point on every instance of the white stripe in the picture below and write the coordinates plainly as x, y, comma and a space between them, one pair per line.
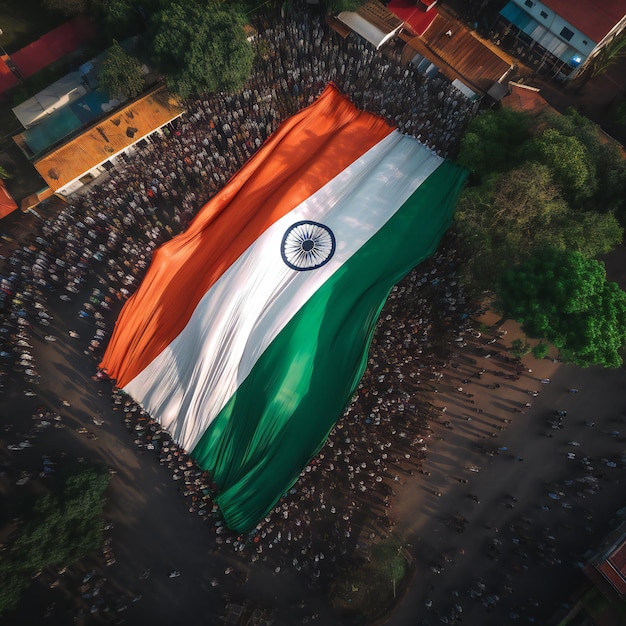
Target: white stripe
188, 384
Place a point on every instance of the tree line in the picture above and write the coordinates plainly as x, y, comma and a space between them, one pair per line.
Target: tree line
546, 196
199, 46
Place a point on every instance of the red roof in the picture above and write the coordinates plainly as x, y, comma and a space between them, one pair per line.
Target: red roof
7, 204
613, 568
418, 19
53, 45
525, 98
594, 18
614, 577
7, 77
618, 560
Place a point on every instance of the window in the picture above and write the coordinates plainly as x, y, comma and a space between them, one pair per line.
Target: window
544, 15
529, 3
566, 33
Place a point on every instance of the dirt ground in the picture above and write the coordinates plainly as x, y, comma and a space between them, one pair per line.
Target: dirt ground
525, 578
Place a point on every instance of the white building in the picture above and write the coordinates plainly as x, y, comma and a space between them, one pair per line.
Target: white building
565, 34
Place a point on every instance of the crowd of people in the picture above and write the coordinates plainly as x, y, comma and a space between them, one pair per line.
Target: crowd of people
341, 501
113, 228
95, 250
97, 247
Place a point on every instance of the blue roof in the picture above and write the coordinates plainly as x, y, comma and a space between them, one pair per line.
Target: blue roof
516, 15
65, 121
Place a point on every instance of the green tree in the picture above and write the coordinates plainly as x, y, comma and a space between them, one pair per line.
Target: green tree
564, 298
12, 583
588, 166
60, 528
540, 351
604, 160
568, 160
120, 17
201, 47
589, 233
519, 348
337, 6
619, 115
559, 184
365, 591
610, 54
492, 142
67, 7
513, 214
120, 74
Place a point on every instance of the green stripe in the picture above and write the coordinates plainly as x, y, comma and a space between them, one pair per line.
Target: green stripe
282, 413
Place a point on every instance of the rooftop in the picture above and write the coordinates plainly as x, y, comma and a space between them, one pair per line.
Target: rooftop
461, 54
594, 18
417, 19
525, 98
115, 133
609, 564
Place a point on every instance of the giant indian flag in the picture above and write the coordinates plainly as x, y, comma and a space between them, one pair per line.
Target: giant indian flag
249, 333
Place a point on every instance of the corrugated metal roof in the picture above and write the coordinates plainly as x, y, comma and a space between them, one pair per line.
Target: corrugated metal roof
51, 98
378, 14
364, 27
615, 577
115, 133
459, 53
373, 21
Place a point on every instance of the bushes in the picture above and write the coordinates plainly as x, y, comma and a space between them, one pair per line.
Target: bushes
367, 591
59, 529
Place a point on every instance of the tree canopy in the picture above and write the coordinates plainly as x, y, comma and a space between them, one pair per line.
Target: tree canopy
201, 47
552, 184
566, 157
60, 528
120, 73
492, 142
337, 6
564, 297
67, 7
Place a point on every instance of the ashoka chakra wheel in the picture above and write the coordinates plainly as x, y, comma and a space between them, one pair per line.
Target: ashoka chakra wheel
307, 245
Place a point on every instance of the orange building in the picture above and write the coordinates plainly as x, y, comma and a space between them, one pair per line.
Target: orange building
94, 151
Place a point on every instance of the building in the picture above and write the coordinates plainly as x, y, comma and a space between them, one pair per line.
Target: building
435, 43
564, 35
607, 568
373, 21
601, 601
95, 151
473, 65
